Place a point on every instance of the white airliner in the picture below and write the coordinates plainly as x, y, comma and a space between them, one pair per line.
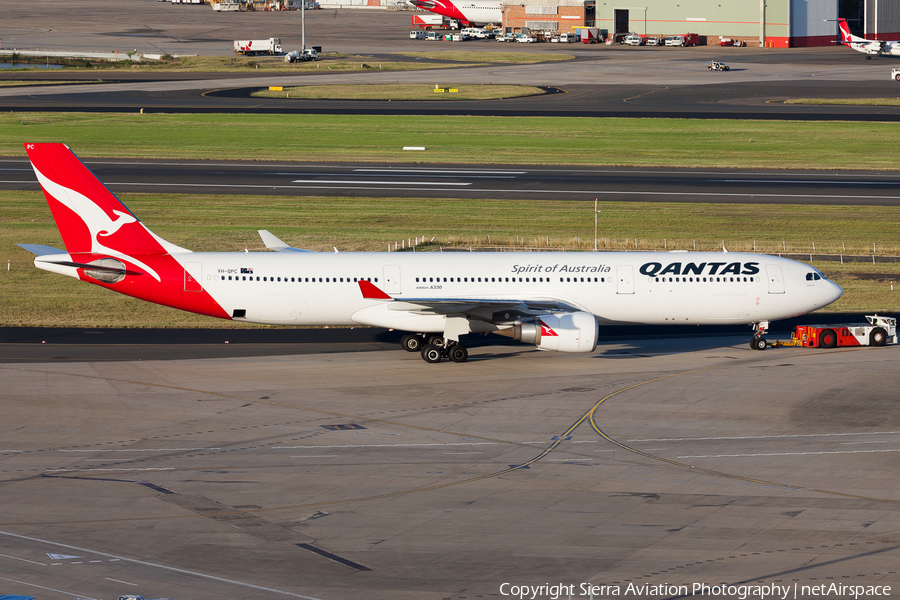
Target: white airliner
555, 300
869, 47
472, 12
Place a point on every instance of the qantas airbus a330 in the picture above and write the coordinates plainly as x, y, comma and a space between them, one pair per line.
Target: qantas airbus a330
555, 300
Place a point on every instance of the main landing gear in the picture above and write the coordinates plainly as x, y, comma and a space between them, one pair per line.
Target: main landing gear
758, 342
434, 348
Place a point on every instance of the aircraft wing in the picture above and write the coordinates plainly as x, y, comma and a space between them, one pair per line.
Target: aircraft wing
273, 243
481, 307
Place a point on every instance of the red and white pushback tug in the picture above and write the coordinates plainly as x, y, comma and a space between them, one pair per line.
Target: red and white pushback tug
879, 332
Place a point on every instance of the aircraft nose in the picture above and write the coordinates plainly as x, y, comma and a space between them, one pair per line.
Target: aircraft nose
832, 292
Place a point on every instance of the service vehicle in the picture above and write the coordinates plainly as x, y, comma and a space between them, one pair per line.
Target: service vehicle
568, 38
879, 332
669, 40
506, 37
475, 32
652, 41
427, 21
553, 39
895, 74
633, 39
417, 35
304, 56
251, 47
714, 65
526, 39
589, 35
434, 36
686, 39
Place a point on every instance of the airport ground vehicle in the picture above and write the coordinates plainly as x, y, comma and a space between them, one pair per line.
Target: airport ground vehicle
568, 38
526, 39
506, 37
634, 39
714, 65
427, 21
895, 74
434, 36
879, 332
653, 41
417, 35
589, 35
686, 39
305, 56
251, 47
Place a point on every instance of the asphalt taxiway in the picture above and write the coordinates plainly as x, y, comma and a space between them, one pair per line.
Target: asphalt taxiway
744, 186
350, 475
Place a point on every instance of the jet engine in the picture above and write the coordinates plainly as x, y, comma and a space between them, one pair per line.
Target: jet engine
565, 332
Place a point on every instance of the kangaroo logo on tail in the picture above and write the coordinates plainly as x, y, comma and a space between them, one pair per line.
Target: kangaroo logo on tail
97, 221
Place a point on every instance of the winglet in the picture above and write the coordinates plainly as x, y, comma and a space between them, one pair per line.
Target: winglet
370, 291
274, 243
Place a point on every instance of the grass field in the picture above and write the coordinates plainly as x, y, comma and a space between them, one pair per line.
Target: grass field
32, 297
329, 62
401, 92
471, 139
847, 101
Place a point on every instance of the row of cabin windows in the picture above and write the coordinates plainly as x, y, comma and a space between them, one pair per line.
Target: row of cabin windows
507, 279
711, 279
303, 279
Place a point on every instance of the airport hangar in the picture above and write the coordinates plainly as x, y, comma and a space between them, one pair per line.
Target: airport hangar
769, 23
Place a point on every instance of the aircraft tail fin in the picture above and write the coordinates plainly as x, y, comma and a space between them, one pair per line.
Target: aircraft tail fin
89, 217
846, 36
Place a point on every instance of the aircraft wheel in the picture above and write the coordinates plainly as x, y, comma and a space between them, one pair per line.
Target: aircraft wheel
827, 339
868, 57
411, 343
878, 337
758, 343
432, 354
458, 353
436, 340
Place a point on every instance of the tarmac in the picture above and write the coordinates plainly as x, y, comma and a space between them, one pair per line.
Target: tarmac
371, 474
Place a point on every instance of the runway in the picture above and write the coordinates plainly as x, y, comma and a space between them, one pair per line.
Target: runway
479, 181
373, 474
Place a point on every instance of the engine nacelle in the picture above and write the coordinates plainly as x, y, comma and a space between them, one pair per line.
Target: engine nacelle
565, 332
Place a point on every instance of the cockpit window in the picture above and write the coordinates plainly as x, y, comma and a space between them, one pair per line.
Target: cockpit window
813, 277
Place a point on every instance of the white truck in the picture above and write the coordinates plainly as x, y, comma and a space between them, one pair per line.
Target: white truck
251, 47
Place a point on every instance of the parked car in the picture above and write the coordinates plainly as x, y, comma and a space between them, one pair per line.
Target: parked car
714, 65
526, 39
634, 39
553, 38
653, 41
506, 37
568, 38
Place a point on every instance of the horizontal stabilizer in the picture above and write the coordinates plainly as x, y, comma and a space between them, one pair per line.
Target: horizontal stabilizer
41, 250
273, 243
